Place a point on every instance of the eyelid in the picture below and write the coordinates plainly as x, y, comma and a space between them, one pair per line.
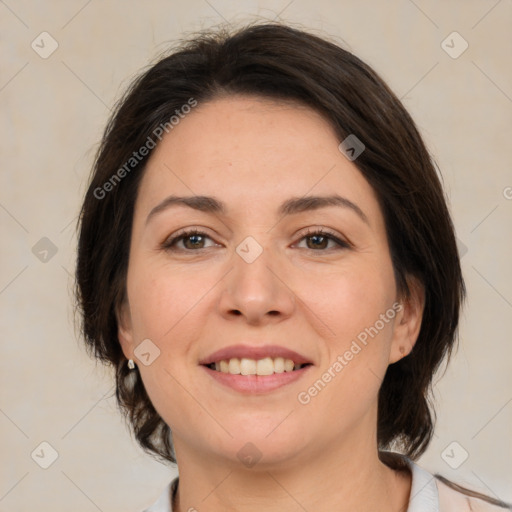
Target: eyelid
184, 233
340, 241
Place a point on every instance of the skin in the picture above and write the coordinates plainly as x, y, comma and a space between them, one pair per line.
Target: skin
305, 294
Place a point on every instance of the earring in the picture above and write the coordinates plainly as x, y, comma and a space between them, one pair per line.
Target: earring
131, 364
402, 351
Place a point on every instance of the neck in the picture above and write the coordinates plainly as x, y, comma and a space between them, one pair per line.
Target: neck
348, 480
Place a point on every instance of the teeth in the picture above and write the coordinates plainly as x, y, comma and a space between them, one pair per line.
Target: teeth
247, 366
234, 366
279, 365
266, 366
288, 365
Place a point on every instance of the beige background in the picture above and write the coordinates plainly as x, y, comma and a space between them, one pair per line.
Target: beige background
53, 111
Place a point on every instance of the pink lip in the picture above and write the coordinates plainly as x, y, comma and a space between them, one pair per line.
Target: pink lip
260, 352
256, 384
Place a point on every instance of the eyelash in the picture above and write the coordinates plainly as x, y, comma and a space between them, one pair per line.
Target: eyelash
169, 244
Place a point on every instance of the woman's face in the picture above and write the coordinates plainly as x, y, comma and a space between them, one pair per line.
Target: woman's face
260, 283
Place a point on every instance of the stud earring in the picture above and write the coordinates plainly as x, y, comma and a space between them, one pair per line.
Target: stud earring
402, 351
131, 364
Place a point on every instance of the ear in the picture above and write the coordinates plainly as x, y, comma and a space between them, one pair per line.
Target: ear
408, 321
124, 329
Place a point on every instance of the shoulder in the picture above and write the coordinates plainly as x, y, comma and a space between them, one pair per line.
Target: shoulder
434, 493
455, 500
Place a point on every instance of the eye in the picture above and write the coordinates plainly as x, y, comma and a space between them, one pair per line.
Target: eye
319, 239
192, 240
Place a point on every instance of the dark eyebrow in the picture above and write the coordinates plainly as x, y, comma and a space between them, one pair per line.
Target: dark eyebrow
201, 203
306, 203
289, 207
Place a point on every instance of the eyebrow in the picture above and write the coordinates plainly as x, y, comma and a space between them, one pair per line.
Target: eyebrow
291, 206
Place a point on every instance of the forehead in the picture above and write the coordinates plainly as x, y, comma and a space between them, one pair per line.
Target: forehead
252, 151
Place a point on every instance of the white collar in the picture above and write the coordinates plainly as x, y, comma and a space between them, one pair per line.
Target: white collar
424, 495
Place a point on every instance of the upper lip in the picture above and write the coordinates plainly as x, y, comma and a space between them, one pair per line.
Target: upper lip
252, 352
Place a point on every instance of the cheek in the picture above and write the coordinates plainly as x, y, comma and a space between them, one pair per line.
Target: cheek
356, 306
166, 308
170, 306
164, 302
349, 299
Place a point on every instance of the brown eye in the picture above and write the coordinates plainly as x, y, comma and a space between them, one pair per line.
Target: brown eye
193, 241
319, 241
190, 240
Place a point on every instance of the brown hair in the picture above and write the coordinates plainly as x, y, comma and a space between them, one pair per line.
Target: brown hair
277, 61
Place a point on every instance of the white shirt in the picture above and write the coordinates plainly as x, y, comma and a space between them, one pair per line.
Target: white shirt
427, 495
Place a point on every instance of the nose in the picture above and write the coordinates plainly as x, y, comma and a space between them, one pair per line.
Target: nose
257, 291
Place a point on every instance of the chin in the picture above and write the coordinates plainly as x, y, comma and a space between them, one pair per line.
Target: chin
262, 451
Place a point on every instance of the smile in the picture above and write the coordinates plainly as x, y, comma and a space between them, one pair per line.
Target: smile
261, 367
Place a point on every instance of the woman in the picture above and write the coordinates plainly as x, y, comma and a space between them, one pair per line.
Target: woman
267, 259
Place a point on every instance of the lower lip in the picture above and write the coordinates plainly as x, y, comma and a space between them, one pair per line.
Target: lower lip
254, 384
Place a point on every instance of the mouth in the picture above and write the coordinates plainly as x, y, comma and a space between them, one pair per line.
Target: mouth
260, 367
256, 370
